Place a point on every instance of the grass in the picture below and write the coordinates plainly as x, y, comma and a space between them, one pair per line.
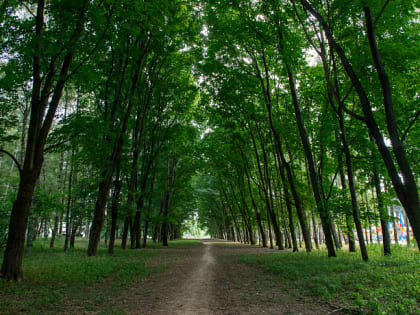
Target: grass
56, 281
384, 285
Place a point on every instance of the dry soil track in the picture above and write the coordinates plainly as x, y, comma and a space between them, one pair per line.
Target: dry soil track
209, 279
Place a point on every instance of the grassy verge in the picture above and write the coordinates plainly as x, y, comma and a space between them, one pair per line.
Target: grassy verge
59, 282
384, 285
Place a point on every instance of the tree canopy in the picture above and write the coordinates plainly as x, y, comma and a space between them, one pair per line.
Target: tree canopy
269, 122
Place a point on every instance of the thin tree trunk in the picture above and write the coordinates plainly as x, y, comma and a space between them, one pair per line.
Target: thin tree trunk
350, 178
257, 213
24, 130
61, 182
407, 226
60, 230
270, 212
127, 224
315, 230
321, 206
75, 226
337, 242
394, 224
107, 227
60, 187
269, 231
349, 223
32, 231
69, 199
114, 211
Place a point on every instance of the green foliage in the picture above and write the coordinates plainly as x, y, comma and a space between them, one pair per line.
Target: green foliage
47, 202
5, 209
384, 285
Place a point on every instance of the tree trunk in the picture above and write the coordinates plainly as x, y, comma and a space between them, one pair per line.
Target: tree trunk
269, 231
315, 230
60, 230
146, 229
127, 224
114, 211
335, 235
107, 227
350, 177
12, 261
54, 230
291, 224
69, 199
61, 184
32, 231
24, 129
170, 180
282, 161
394, 225
349, 223
407, 226
75, 226
411, 202
321, 206
270, 212
87, 228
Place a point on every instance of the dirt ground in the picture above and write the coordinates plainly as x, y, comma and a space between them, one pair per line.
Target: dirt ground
209, 279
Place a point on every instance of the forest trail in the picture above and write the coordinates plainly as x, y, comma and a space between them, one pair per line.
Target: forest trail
195, 295
209, 279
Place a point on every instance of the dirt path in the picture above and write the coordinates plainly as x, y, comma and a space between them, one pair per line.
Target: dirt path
209, 279
195, 296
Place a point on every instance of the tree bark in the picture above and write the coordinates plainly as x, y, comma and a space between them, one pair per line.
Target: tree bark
166, 204
315, 231
69, 200
114, 211
61, 184
127, 224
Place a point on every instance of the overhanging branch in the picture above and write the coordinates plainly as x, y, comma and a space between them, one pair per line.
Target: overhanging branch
410, 125
61, 142
14, 160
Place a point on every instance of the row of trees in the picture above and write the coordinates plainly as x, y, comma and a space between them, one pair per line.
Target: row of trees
296, 137
113, 82
269, 115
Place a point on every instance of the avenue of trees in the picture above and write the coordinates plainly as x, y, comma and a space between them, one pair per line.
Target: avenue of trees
289, 123
301, 141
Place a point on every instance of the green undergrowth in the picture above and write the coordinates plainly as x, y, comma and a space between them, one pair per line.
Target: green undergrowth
384, 285
56, 281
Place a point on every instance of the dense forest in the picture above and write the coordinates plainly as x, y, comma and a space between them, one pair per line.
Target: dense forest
287, 124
